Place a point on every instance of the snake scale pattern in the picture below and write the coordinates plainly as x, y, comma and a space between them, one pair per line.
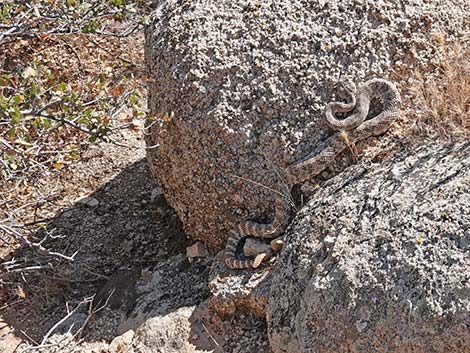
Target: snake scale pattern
348, 131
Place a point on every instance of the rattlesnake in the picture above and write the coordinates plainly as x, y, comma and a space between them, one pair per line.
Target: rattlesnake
349, 131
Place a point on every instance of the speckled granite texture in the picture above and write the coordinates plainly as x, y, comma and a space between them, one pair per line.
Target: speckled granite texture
237, 89
379, 260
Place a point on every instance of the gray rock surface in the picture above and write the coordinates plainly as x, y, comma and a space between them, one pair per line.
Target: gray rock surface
238, 88
170, 333
172, 285
170, 313
238, 290
379, 260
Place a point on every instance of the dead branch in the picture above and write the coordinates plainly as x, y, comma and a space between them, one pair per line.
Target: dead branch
38, 246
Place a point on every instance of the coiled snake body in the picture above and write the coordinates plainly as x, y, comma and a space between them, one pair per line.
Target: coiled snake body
355, 127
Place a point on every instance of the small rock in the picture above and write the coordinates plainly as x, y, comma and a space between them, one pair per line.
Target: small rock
156, 192
122, 342
254, 247
329, 240
146, 275
196, 250
89, 201
360, 325
72, 324
162, 211
277, 244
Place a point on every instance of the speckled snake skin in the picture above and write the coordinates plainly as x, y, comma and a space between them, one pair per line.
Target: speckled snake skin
350, 130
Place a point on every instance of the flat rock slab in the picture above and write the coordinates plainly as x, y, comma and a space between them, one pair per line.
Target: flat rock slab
243, 290
172, 284
379, 260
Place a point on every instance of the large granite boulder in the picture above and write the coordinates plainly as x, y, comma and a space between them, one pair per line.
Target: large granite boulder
237, 90
379, 260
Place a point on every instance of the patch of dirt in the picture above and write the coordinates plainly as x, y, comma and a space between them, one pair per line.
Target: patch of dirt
126, 227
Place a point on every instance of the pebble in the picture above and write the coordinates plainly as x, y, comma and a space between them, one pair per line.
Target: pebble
88, 201
198, 249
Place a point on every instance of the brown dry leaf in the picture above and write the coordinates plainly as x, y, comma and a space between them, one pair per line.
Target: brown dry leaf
116, 90
168, 117
58, 165
439, 38
20, 292
19, 9
419, 239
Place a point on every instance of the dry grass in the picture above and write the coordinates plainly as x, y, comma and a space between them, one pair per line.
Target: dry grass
441, 101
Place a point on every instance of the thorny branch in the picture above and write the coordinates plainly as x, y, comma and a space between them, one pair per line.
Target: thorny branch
44, 18
15, 266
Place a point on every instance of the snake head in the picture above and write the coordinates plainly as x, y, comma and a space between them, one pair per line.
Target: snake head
346, 89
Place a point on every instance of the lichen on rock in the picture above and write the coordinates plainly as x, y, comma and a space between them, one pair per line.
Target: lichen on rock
379, 259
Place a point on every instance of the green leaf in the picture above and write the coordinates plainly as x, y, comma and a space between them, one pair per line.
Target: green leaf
74, 155
87, 112
116, 2
18, 99
133, 98
15, 116
83, 120
62, 86
91, 27
119, 16
34, 90
102, 81
46, 123
145, 20
4, 79
11, 133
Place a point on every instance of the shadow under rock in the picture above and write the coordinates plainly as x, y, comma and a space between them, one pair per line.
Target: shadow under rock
123, 227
